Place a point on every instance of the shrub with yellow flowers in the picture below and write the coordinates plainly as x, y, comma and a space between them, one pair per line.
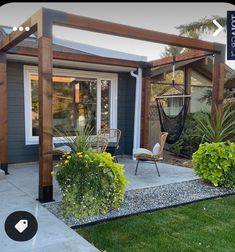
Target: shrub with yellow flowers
91, 183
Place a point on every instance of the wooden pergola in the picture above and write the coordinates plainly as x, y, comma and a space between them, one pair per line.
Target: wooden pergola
42, 22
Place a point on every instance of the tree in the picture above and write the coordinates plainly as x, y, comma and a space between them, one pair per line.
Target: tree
228, 96
194, 30
171, 50
202, 26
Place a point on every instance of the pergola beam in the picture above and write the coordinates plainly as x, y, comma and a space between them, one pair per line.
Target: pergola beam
15, 37
178, 58
69, 56
47, 17
110, 28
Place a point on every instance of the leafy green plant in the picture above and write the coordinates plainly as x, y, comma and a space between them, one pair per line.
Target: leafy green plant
91, 183
217, 128
177, 148
215, 162
190, 138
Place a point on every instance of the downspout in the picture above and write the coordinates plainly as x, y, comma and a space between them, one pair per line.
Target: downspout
137, 116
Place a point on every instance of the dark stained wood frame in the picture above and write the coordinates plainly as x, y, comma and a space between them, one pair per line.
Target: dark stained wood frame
180, 57
42, 22
187, 82
45, 118
69, 56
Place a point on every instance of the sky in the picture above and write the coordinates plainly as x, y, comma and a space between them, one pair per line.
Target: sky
163, 17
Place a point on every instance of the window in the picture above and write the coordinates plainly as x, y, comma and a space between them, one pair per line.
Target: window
198, 79
200, 98
172, 106
79, 98
201, 90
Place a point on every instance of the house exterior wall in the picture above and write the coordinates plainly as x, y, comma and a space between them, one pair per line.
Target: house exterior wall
126, 109
18, 151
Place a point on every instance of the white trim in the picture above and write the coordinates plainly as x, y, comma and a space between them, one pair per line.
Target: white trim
98, 108
113, 104
137, 118
28, 70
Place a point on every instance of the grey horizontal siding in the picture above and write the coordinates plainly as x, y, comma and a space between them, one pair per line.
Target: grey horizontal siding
126, 107
17, 150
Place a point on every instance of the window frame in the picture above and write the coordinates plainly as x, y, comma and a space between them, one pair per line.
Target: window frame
28, 70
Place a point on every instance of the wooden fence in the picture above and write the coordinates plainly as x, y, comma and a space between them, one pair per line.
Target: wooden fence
154, 126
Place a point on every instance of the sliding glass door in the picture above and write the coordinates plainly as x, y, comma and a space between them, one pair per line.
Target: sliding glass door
81, 99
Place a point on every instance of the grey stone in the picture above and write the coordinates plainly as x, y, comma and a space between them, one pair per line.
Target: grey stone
149, 199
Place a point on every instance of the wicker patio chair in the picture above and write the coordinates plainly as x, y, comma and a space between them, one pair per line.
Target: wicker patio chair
144, 155
113, 136
98, 143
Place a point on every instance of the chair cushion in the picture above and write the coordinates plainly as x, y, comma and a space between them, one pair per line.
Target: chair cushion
142, 151
63, 148
156, 148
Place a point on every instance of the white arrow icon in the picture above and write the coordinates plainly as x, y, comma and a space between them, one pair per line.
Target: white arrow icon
220, 28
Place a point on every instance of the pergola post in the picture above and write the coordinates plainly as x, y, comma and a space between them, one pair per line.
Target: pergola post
3, 114
45, 66
145, 108
218, 81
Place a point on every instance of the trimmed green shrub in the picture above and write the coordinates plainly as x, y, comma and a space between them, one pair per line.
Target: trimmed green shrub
91, 183
215, 162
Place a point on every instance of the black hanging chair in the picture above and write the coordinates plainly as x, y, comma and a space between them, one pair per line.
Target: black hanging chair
174, 125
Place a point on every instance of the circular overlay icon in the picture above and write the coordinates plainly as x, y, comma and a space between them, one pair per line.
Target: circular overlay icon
21, 226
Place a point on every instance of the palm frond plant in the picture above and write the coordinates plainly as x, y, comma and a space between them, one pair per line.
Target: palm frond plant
218, 128
78, 143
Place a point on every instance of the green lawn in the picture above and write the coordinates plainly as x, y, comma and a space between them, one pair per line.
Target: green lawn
204, 226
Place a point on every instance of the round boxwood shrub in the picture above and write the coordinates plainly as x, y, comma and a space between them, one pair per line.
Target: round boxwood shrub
215, 162
91, 183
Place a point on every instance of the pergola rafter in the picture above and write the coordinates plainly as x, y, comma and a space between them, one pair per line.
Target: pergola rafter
42, 22
79, 57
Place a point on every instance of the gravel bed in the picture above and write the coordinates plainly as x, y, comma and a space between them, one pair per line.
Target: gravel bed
148, 199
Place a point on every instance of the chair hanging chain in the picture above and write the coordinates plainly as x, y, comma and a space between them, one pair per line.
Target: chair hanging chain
173, 71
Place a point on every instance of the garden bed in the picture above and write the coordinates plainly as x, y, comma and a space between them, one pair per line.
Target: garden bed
149, 199
171, 158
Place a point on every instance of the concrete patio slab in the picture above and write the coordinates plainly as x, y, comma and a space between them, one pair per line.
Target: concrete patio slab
25, 176
52, 234
147, 174
19, 190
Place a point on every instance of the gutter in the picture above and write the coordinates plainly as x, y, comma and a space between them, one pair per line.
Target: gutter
137, 116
